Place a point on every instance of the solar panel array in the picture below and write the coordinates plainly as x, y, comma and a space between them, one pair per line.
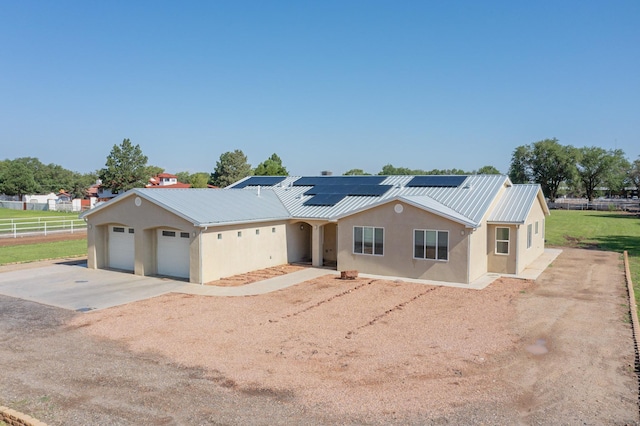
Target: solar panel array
325, 200
436, 181
260, 181
330, 190
364, 190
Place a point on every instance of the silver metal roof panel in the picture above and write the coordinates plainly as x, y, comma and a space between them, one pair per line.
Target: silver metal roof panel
208, 207
515, 204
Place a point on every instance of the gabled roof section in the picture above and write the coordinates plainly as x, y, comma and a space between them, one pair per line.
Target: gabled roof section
208, 207
470, 197
516, 203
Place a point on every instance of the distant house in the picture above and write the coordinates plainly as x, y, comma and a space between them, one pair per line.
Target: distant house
444, 228
166, 180
163, 180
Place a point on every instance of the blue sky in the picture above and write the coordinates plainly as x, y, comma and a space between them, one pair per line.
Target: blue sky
327, 85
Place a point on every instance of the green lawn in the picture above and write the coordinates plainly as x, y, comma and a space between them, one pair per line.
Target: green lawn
33, 252
19, 214
610, 231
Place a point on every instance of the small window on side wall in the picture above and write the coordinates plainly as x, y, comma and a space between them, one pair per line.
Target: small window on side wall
502, 240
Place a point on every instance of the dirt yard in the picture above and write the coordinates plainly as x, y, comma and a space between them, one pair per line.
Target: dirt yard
555, 351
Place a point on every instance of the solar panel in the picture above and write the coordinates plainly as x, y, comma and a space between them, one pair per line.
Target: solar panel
362, 190
324, 200
436, 181
260, 180
339, 180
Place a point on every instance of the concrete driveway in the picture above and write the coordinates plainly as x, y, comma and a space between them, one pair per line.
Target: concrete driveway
73, 286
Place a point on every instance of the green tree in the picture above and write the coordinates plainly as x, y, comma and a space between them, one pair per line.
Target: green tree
634, 174
17, 179
355, 172
198, 180
597, 167
81, 182
519, 169
153, 171
546, 163
230, 168
389, 170
185, 177
552, 164
272, 166
617, 179
488, 170
126, 168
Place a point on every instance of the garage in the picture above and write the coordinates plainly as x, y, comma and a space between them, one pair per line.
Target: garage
173, 253
121, 248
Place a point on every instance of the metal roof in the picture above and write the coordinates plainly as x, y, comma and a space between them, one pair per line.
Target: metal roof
515, 204
467, 203
205, 207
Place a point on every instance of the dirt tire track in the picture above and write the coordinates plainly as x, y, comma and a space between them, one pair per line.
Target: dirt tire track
322, 302
388, 312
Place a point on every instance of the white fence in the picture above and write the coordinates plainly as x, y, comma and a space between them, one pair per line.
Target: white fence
40, 226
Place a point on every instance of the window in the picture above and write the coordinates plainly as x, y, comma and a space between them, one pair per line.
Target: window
536, 227
257, 232
219, 236
429, 244
184, 235
131, 230
118, 229
168, 233
273, 230
529, 235
239, 233
502, 240
368, 240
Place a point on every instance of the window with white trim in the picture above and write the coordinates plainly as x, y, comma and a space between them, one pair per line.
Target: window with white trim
430, 244
536, 227
529, 235
502, 240
368, 240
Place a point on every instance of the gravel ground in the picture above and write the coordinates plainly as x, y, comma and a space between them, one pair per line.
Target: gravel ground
557, 351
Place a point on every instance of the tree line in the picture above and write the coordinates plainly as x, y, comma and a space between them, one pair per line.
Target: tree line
548, 163
580, 172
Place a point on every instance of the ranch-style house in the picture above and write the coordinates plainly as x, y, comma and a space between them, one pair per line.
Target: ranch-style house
442, 228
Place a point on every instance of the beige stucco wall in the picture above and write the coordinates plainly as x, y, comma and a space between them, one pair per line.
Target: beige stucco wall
528, 255
501, 263
477, 252
329, 242
520, 257
145, 219
398, 257
232, 254
298, 242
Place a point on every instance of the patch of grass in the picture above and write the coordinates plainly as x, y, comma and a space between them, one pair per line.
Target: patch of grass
10, 213
34, 252
609, 231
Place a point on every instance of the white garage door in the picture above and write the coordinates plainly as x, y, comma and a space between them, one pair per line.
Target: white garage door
121, 248
173, 253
